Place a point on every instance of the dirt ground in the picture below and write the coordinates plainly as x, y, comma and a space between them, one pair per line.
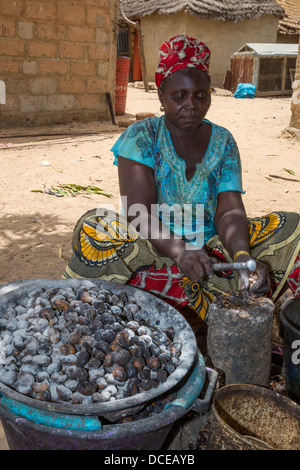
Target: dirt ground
36, 228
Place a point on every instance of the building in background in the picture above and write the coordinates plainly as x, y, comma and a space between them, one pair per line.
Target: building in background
57, 60
223, 26
289, 25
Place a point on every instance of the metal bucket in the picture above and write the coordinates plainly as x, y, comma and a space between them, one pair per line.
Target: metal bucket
290, 318
161, 315
249, 417
30, 428
34, 424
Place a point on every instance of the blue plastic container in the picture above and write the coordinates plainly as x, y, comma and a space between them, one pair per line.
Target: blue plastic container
245, 90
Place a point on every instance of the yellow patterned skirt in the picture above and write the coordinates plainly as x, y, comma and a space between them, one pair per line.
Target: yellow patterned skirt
105, 246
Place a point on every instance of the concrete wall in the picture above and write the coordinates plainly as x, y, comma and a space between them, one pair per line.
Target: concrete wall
222, 38
57, 60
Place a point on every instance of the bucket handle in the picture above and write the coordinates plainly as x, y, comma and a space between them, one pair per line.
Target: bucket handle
202, 405
63, 421
197, 378
187, 398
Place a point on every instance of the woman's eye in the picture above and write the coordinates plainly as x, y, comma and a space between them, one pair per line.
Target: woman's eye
183, 96
179, 96
201, 95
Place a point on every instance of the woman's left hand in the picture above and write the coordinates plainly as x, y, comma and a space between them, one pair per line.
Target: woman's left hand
232, 226
260, 284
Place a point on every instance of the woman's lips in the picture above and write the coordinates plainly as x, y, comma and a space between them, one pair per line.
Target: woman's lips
191, 117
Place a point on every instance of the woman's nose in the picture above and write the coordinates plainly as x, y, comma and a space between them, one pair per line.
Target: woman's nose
191, 102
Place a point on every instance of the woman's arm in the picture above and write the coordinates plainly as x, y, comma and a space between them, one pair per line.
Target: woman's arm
137, 185
232, 227
231, 222
138, 188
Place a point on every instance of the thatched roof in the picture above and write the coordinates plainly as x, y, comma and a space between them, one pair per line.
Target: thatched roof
290, 24
225, 10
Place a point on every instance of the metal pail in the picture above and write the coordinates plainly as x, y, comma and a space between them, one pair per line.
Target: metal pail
250, 417
33, 424
290, 318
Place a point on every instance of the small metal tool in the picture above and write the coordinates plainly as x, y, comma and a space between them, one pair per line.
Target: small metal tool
250, 264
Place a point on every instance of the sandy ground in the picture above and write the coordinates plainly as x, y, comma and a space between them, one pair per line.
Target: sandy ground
36, 228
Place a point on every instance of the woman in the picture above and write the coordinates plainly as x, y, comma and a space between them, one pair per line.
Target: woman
180, 183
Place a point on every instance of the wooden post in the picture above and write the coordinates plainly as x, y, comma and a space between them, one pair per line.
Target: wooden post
283, 76
142, 56
141, 35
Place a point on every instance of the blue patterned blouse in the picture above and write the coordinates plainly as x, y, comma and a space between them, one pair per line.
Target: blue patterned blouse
193, 201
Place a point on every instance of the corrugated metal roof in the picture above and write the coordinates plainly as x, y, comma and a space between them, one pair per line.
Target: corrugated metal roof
270, 48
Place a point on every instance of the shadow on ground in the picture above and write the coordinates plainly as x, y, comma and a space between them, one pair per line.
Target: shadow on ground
36, 245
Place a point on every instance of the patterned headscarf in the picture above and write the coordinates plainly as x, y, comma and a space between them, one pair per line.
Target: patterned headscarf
181, 52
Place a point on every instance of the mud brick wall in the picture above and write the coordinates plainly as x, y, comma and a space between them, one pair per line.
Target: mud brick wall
57, 60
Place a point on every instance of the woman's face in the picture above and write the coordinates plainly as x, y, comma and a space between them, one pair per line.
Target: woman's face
185, 96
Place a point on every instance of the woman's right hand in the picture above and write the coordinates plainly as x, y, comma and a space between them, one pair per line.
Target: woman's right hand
195, 264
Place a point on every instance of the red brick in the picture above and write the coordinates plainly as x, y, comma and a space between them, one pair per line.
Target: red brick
71, 12
41, 49
96, 86
7, 28
98, 17
98, 3
11, 8
40, 11
72, 86
8, 66
11, 46
82, 69
53, 67
98, 52
81, 34
71, 51
49, 31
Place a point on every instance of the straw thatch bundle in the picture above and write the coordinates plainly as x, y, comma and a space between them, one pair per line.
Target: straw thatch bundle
290, 24
225, 10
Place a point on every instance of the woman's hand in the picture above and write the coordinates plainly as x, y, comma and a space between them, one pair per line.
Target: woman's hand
195, 264
232, 227
255, 282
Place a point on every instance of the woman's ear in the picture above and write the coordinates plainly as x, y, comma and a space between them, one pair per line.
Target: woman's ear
161, 99
160, 96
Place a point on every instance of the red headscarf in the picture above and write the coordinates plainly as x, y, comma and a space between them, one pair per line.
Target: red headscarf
181, 52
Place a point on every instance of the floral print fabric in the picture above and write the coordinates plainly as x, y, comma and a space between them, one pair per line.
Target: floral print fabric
181, 52
149, 142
